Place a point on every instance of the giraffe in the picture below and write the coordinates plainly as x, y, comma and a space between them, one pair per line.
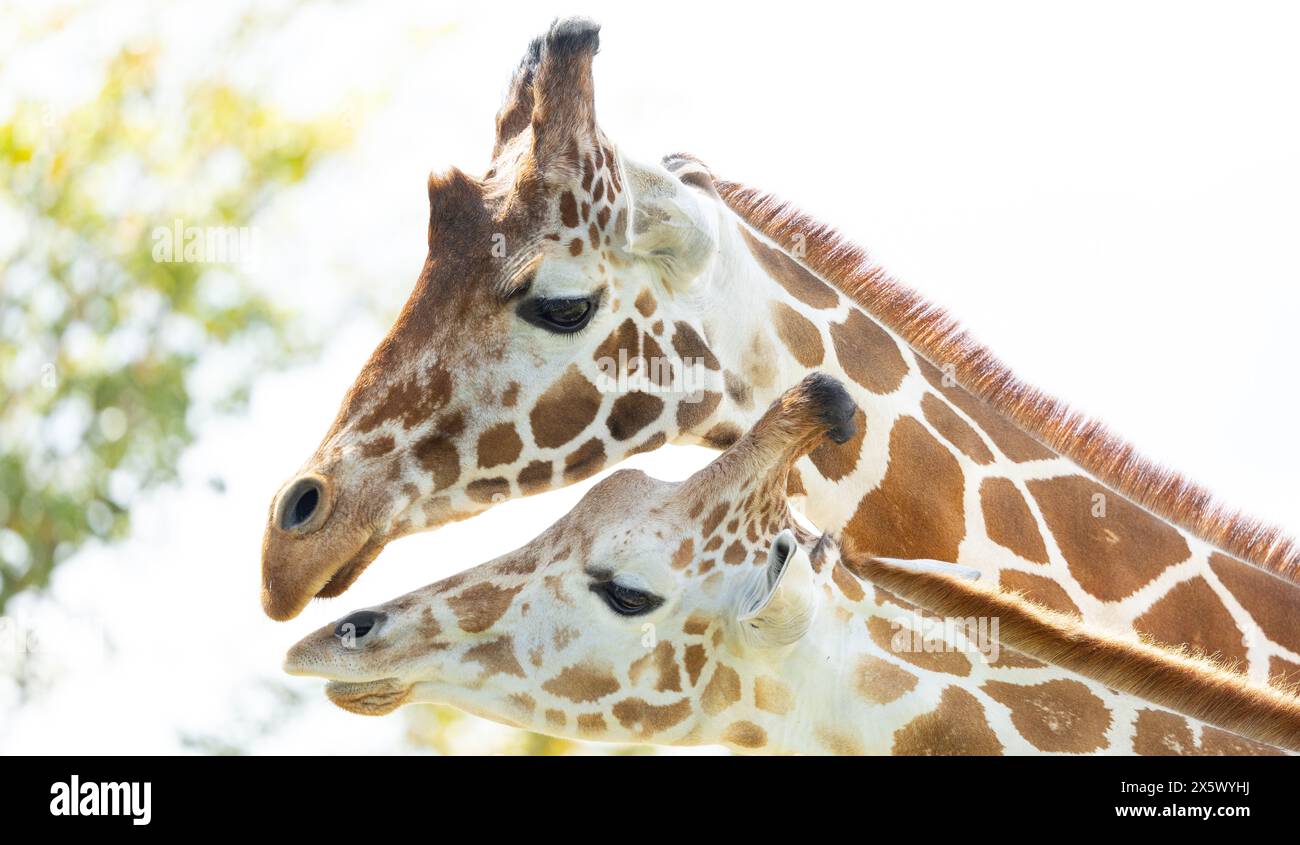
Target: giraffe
569, 266
702, 612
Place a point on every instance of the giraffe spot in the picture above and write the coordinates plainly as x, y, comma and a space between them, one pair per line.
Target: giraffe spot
714, 519
664, 662
633, 412
616, 352
411, 402
879, 681
1110, 556
773, 696
658, 365
850, 586
957, 726
511, 395
735, 553
586, 210
917, 510
591, 724
836, 460
656, 440
581, 683
1270, 601
745, 734
1193, 615
798, 334
575, 247
722, 690
713, 545
867, 353
1014, 443
694, 659
485, 491
723, 435
564, 410
563, 636
556, 719
568, 210
1038, 589
690, 414
903, 644
759, 365
1283, 673
1008, 520
645, 302
478, 607
535, 477
437, 455
690, 346
839, 742
685, 554
647, 719
585, 462
1159, 733
378, 447
499, 445
594, 234
497, 657
738, 390
1060, 715
790, 274
599, 193
954, 429
794, 484
523, 705
696, 624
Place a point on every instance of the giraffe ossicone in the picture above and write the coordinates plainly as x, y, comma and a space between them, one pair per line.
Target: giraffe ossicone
569, 267
768, 638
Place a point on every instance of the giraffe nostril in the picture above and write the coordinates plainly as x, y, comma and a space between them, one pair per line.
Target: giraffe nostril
357, 625
300, 503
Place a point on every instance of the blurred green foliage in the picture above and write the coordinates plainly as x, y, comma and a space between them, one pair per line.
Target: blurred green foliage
100, 342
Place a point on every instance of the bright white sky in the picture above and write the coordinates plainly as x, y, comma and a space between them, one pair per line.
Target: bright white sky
1107, 196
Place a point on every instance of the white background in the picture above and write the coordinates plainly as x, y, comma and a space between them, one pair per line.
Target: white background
1108, 194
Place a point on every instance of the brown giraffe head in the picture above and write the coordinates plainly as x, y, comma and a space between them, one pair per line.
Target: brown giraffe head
622, 621
542, 341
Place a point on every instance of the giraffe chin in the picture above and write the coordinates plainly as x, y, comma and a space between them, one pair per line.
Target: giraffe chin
369, 698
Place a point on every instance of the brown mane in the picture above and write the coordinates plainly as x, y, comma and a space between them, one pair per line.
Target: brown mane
940, 338
1179, 680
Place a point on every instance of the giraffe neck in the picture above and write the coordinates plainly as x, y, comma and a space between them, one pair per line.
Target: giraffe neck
875, 676
935, 472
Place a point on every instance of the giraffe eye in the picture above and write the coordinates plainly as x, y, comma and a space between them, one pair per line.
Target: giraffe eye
562, 316
626, 601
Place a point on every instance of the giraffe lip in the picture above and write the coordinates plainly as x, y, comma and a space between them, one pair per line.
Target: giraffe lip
350, 570
369, 698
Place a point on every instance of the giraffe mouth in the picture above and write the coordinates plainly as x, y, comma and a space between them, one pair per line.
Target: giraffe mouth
350, 570
369, 698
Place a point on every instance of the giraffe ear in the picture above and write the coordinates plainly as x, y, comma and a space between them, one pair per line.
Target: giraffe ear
667, 222
781, 608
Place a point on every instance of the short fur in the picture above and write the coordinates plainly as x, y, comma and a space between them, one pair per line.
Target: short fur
1181, 681
1086, 441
